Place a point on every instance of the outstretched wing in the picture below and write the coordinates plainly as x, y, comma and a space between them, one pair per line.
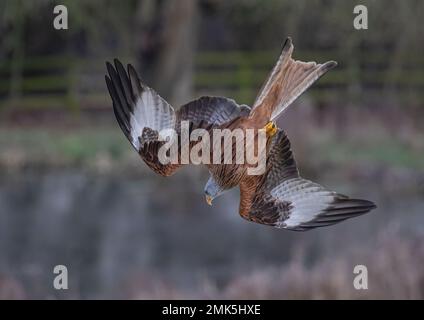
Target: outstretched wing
283, 199
143, 115
288, 80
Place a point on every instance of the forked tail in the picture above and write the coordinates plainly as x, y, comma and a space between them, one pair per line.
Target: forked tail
288, 80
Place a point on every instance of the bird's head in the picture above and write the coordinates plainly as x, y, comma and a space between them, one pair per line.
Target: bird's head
212, 190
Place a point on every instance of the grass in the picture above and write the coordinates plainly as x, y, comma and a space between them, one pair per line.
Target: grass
53, 147
388, 153
85, 147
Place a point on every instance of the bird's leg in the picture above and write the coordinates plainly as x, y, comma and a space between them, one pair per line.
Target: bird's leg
270, 129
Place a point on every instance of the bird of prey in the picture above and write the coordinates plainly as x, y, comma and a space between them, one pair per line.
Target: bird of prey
279, 197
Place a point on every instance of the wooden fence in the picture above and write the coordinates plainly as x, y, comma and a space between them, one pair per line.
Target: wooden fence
73, 83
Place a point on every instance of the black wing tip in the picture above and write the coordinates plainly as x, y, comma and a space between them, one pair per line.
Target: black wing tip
366, 203
287, 48
109, 84
134, 76
288, 43
345, 202
131, 68
111, 70
330, 65
107, 78
115, 66
341, 209
118, 65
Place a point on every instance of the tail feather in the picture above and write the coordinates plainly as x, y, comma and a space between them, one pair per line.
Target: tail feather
288, 80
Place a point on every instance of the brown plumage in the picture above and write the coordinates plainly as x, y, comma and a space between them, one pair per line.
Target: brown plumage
279, 197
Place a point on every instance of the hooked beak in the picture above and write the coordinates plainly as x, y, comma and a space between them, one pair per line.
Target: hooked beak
209, 200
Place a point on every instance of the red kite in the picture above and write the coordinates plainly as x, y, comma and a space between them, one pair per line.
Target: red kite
279, 197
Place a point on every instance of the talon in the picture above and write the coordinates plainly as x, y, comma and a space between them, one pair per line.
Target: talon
270, 129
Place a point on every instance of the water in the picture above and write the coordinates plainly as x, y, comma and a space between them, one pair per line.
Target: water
111, 229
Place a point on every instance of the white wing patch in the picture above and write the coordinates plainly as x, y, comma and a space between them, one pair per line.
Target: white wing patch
308, 199
150, 111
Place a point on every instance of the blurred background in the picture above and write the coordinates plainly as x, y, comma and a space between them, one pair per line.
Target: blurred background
73, 192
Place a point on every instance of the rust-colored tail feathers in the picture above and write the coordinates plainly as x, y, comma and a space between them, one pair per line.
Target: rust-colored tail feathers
288, 80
